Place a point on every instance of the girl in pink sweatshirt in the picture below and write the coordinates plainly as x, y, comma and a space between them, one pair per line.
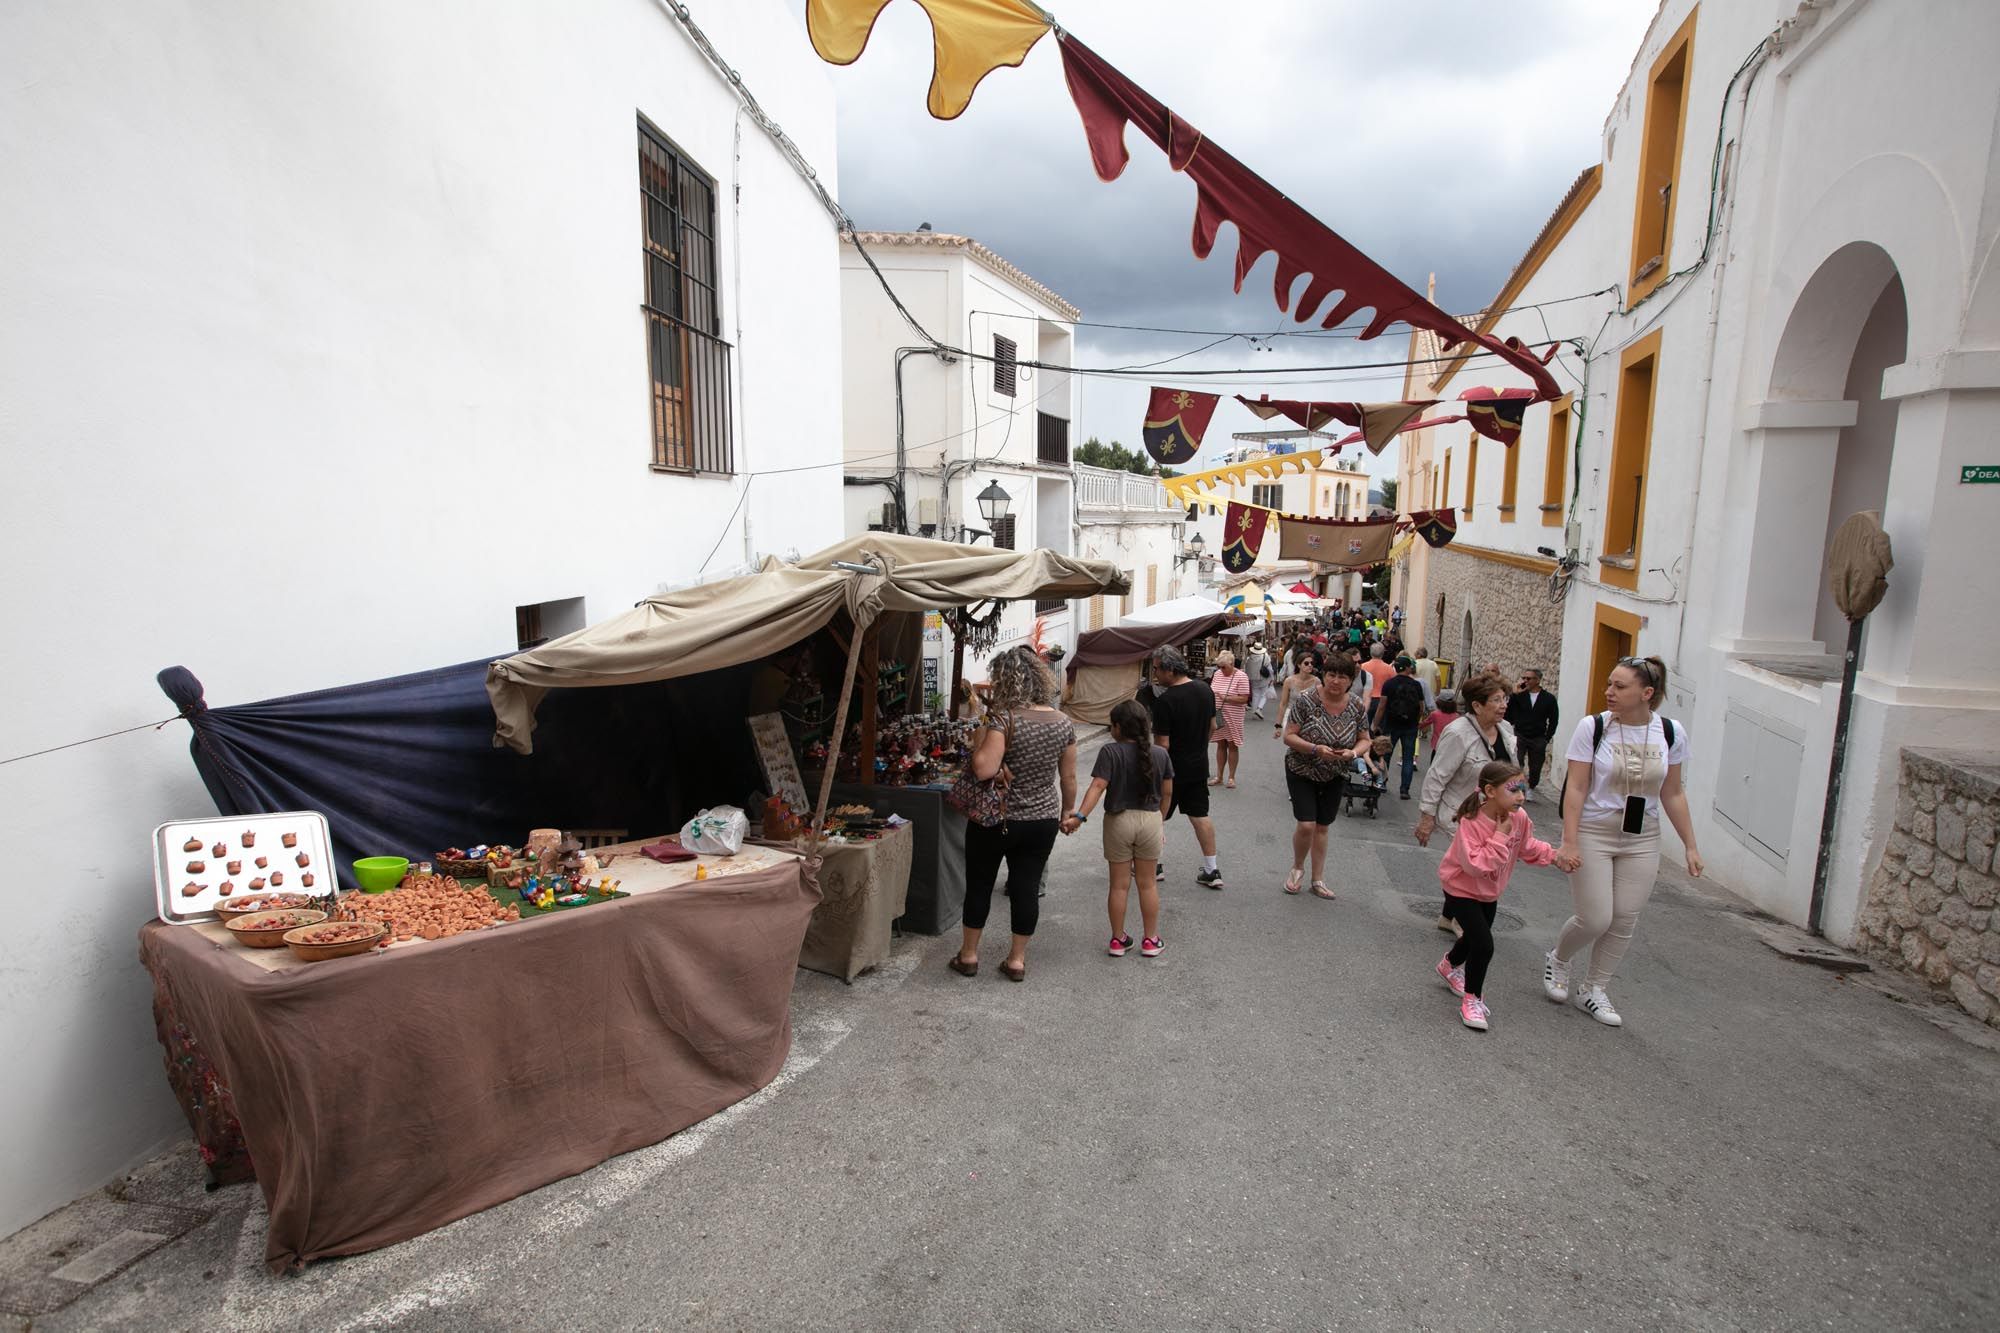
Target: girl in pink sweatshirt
1493, 834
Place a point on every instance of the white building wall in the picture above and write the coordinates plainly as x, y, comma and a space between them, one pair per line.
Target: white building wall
1843, 171
961, 433
320, 352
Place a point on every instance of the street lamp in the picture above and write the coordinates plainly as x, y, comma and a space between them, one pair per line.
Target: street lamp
1195, 550
994, 503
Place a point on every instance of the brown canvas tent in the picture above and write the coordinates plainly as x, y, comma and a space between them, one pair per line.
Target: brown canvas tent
743, 619
1110, 663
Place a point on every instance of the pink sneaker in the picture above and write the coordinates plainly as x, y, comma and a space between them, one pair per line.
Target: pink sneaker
1150, 946
1119, 944
1453, 977
1472, 1012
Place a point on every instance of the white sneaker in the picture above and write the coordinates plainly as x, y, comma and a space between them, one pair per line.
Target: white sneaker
1555, 977
1593, 1001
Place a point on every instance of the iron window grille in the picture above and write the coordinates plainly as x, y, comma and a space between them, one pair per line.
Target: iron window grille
687, 361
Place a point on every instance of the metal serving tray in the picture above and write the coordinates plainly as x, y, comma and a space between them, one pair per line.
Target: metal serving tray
266, 835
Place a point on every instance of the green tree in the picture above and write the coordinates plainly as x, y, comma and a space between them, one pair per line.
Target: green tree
1389, 487
1093, 452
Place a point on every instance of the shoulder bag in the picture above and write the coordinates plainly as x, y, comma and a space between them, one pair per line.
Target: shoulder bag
984, 800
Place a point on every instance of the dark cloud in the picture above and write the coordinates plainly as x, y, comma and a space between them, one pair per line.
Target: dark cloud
1436, 136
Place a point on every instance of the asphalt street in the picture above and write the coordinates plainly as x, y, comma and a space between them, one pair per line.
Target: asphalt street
1279, 1124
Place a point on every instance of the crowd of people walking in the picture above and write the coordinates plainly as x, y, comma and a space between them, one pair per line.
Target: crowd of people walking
1352, 711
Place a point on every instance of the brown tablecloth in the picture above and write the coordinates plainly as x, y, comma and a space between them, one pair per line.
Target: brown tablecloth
862, 887
383, 1096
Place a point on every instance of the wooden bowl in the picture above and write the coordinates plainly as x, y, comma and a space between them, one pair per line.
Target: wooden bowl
252, 932
245, 903
299, 941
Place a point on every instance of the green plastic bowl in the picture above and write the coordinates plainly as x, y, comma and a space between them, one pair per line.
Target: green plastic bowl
379, 874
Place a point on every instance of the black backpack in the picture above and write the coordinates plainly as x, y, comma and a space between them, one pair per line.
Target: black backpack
1402, 707
1597, 739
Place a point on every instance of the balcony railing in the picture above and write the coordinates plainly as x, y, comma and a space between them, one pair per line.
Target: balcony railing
1051, 440
690, 372
1107, 490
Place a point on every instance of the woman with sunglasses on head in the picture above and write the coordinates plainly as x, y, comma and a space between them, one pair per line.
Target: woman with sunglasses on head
1624, 769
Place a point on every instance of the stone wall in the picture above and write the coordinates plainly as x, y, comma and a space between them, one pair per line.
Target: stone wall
1513, 621
1932, 903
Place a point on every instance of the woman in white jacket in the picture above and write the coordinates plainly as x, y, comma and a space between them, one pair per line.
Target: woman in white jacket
1479, 736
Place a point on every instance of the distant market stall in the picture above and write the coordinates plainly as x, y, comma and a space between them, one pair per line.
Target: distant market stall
1109, 664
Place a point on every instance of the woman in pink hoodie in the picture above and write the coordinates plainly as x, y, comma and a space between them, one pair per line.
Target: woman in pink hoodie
1493, 834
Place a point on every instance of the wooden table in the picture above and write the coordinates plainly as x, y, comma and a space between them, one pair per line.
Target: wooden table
382, 1096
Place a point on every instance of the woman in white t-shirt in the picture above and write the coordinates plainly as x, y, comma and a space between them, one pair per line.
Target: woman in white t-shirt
1624, 769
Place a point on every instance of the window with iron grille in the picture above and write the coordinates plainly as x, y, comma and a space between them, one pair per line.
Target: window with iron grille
1003, 532
688, 363
1005, 352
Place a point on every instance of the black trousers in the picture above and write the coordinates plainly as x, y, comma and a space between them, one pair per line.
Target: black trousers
1024, 844
1534, 753
1475, 947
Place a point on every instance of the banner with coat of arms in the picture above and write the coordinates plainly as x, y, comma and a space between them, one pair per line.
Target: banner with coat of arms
1346, 544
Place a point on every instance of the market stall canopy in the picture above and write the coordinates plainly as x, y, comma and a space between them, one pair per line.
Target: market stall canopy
1173, 611
738, 620
1109, 664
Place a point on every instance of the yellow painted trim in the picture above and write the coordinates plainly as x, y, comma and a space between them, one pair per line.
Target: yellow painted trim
1534, 564
1510, 479
1621, 570
1538, 254
1471, 471
1605, 616
1681, 43
1555, 460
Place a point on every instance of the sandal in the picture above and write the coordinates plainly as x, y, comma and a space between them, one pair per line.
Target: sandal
1016, 972
963, 968
1295, 881
1231, 783
1320, 890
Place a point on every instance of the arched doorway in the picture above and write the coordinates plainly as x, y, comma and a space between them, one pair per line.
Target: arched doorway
1823, 442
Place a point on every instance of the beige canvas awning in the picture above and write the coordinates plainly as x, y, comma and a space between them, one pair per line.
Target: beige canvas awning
739, 620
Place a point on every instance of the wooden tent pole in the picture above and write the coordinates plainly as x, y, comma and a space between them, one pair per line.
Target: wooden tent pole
871, 700
957, 668
839, 735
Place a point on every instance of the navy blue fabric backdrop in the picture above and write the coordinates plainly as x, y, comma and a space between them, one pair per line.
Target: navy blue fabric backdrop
407, 766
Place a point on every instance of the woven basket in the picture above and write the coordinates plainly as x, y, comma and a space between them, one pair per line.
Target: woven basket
461, 867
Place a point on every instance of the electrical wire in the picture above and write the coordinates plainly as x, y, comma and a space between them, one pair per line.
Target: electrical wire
1282, 332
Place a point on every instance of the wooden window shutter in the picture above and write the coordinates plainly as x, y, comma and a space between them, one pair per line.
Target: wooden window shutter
1005, 353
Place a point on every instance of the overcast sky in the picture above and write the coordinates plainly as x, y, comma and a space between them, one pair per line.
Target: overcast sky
1436, 135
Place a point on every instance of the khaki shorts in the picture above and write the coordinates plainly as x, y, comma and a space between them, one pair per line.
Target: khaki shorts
1132, 835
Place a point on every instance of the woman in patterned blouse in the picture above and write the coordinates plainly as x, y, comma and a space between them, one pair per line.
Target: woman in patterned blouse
1324, 730
1032, 748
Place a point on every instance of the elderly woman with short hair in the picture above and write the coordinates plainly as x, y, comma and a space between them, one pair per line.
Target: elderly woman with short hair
1479, 736
1232, 696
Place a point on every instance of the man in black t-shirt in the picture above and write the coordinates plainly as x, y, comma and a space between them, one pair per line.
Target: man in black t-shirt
1183, 722
1399, 716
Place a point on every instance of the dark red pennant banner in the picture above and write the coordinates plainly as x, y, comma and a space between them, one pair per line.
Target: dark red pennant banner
1242, 534
1436, 526
1265, 220
1498, 418
1176, 419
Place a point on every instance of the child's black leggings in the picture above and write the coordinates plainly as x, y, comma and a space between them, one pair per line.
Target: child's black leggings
1475, 947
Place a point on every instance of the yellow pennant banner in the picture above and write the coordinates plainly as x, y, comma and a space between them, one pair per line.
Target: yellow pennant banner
1186, 487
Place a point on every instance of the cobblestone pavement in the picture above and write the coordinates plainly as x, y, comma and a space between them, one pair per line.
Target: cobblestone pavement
1279, 1124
